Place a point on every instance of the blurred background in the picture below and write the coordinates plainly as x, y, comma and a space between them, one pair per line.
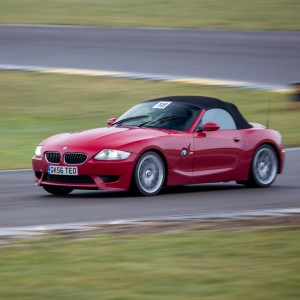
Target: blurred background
69, 65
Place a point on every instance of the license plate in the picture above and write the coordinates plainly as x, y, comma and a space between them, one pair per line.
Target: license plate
59, 170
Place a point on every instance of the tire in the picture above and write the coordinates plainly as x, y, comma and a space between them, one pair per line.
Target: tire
149, 174
58, 190
264, 167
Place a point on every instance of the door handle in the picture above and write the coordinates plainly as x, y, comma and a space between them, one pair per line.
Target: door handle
237, 139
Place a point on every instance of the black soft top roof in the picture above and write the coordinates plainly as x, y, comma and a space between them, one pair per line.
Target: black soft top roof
209, 103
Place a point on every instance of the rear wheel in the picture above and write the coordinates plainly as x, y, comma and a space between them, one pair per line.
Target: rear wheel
58, 190
149, 174
264, 167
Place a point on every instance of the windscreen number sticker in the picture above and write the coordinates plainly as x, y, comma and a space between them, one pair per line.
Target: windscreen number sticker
162, 104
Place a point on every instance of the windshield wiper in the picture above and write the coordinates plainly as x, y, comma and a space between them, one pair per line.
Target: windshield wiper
129, 119
161, 120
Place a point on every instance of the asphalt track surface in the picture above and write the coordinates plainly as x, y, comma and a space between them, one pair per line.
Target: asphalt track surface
252, 56
24, 204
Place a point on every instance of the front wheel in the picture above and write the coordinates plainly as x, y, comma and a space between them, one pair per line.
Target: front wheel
57, 190
149, 174
264, 167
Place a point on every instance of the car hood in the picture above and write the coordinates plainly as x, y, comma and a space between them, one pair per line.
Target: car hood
112, 137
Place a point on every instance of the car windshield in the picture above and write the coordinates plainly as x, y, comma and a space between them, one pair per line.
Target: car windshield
160, 114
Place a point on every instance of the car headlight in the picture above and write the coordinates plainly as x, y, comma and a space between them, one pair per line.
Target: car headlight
111, 154
38, 151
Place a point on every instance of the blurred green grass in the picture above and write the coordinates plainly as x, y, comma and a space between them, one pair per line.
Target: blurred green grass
203, 264
34, 106
217, 14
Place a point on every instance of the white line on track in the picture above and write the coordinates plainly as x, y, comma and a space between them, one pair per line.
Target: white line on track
105, 27
152, 77
139, 28
293, 149
85, 226
15, 170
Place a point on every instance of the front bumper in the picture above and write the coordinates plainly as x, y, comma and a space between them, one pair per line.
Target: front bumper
93, 174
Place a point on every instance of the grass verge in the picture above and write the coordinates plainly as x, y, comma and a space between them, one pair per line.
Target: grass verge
229, 14
35, 106
191, 264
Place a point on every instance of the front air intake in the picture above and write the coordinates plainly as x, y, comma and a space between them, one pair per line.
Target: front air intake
82, 179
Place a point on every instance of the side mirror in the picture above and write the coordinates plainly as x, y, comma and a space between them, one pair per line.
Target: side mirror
111, 121
210, 126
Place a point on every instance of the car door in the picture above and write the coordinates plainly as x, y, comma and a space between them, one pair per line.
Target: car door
217, 155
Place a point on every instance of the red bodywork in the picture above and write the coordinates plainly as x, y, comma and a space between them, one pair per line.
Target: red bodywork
210, 156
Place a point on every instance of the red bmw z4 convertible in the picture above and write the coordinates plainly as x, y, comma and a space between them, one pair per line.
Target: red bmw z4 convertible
168, 141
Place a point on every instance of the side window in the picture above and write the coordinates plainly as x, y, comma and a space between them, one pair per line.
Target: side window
219, 116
